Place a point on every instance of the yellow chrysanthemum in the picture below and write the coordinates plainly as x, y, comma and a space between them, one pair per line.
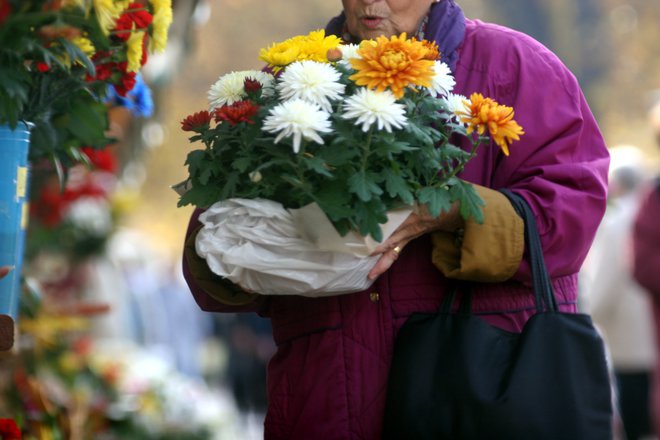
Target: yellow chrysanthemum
314, 47
107, 14
484, 113
134, 51
160, 25
86, 45
395, 64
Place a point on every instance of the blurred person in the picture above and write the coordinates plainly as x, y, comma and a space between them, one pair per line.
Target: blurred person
328, 378
646, 253
619, 306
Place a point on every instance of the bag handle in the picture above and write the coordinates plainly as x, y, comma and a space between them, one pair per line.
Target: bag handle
540, 279
541, 285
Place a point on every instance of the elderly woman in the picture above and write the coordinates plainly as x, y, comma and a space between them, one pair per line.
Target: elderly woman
328, 378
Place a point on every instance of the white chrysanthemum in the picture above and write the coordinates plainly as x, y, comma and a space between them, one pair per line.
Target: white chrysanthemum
443, 81
229, 89
369, 107
91, 214
456, 103
297, 118
311, 81
349, 51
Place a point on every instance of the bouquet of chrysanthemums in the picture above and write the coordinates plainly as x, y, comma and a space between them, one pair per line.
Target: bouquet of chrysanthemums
351, 133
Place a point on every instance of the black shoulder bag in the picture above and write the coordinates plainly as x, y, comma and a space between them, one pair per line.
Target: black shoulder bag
453, 376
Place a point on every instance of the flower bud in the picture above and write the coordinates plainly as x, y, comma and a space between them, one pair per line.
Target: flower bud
334, 55
255, 176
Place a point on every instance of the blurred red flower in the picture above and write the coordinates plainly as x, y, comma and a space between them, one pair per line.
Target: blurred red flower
9, 429
104, 159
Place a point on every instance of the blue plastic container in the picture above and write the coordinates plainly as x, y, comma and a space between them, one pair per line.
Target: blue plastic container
14, 146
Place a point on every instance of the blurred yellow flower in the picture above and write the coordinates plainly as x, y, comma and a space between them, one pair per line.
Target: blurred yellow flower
45, 328
134, 51
396, 64
86, 45
161, 23
107, 12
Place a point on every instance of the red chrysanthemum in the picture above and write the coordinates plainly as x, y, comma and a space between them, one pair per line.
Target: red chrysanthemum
237, 112
251, 85
9, 430
42, 67
103, 160
196, 122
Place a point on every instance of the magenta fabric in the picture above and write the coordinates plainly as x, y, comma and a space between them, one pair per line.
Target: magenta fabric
328, 377
646, 270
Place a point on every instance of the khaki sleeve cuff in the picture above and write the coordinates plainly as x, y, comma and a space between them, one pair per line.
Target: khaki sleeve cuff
214, 285
488, 252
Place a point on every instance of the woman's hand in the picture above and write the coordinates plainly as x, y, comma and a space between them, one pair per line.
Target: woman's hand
417, 224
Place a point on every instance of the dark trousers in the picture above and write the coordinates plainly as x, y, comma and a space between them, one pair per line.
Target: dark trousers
634, 398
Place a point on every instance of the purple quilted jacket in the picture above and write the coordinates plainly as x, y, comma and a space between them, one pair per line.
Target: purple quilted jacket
328, 378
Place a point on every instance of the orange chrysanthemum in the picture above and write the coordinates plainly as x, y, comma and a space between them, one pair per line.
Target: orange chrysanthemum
484, 113
395, 64
432, 51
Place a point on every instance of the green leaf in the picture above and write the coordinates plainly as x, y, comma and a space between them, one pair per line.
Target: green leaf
229, 187
194, 160
470, 202
338, 155
437, 199
205, 175
335, 201
369, 216
420, 133
396, 186
199, 196
317, 165
88, 122
241, 164
364, 185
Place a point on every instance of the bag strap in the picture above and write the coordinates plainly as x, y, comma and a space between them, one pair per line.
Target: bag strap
540, 279
541, 285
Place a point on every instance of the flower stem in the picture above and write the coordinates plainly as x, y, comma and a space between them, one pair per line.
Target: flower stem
459, 168
366, 150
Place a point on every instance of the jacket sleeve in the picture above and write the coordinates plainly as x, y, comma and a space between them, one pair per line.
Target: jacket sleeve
486, 252
646, 244
560, 164
212, 292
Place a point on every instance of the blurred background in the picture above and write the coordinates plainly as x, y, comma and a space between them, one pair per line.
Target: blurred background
188, 374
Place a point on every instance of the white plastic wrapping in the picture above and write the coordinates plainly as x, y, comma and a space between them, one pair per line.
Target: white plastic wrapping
267, 249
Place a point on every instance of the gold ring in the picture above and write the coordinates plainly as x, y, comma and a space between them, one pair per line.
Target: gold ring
397, 249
